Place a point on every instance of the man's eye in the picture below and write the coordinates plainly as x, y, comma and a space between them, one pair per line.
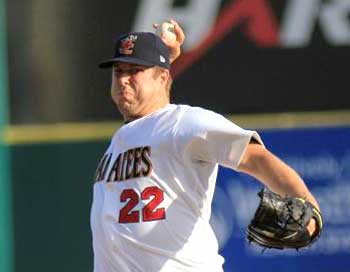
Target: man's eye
131, 71
136, 70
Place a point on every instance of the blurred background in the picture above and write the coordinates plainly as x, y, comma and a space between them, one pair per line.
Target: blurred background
279, 67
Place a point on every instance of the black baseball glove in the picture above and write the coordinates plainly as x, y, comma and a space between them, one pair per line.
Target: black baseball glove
280, 222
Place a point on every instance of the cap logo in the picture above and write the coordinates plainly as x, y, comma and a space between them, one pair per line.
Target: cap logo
127, 45
162, 59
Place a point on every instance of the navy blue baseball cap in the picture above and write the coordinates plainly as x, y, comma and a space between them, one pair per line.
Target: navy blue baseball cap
144, 48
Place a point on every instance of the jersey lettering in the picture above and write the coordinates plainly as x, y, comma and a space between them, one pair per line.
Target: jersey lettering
146, 159
102, 167
133, 163
150, 212
126, 214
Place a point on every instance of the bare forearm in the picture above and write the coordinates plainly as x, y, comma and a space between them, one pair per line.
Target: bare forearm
276, 175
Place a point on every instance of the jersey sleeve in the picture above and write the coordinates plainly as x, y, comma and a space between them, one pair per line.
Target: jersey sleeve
208, 136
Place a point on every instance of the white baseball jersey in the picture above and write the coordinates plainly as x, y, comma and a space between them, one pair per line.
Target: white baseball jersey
154, 188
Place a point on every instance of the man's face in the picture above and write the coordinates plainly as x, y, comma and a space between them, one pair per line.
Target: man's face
136, 89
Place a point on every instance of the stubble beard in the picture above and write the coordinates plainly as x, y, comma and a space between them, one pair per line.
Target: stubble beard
125, 108
125, 105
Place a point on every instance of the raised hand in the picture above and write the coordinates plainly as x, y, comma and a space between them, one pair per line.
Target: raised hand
174, 45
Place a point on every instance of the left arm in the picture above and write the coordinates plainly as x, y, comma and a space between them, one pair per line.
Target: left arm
280, 178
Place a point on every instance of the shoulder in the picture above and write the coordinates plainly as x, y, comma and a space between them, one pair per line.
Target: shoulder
197, 115
197, 120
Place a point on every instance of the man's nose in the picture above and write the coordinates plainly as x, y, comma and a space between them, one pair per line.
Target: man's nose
123, 78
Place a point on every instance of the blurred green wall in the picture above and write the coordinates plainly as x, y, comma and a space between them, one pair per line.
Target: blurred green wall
52, 192
6, 245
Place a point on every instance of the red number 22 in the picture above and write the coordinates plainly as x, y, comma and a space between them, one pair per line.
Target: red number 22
150, 212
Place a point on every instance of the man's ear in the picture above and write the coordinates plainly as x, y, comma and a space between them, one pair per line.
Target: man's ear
165, 74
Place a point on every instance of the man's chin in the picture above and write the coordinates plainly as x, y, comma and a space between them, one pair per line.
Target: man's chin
125, 108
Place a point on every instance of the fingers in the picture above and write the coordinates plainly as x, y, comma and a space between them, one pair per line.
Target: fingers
180, 35
174, 45
311, 227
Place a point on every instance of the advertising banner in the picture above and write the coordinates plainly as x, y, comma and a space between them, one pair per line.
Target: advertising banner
322, 157
238, 57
